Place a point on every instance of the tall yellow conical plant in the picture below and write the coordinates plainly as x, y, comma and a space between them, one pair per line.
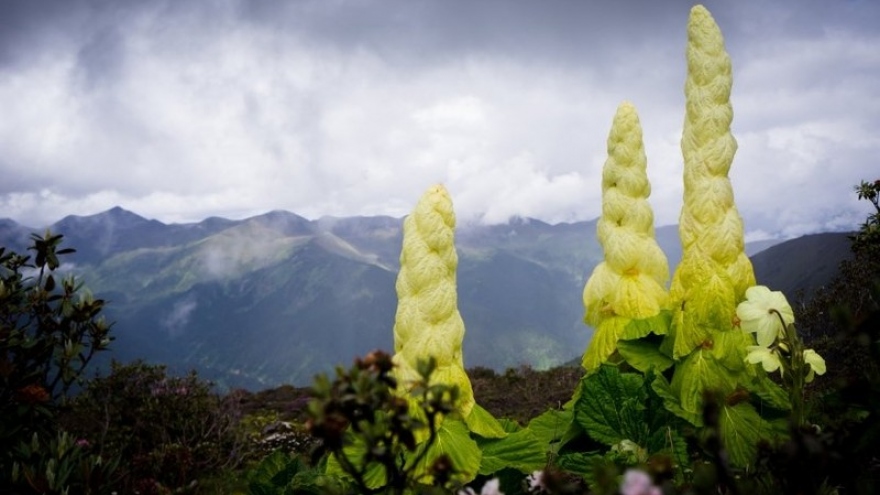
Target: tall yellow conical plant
427, 322
629, 283
714, 272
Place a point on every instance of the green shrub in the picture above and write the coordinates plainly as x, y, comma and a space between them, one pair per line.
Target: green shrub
50, 328
169, 431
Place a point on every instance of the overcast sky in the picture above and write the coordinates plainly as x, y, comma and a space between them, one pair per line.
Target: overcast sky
183, 110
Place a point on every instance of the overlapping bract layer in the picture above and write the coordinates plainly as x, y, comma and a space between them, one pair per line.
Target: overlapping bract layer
427, 322
629, 283
711, 229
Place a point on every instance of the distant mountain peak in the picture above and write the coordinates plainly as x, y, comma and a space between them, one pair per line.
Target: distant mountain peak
118, 210
284, 221
278, 214
117, 214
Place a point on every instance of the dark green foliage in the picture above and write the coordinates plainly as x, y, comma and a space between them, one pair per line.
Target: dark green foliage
283, 474
623, 411
379, 440
168, 431
868, 236
62, 464
50, 329
842, 322
846, 319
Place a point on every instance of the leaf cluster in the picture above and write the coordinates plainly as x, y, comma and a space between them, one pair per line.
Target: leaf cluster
377, 438
50, 329
868, 236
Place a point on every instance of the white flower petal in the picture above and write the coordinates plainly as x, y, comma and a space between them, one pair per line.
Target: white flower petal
816, 362
760, 314
768, 330
492, 488
536, 482
769, 359
749, 311
757, 292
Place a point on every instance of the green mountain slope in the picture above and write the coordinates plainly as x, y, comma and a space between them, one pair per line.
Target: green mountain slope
277, 298
280, 323
802, 265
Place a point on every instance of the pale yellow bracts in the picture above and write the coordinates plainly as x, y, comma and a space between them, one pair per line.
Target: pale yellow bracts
427, 322
629, 283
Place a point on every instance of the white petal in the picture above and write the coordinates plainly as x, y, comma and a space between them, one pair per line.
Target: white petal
769, 359
757, 292
750, 311
816, 362
768, 331
491, 488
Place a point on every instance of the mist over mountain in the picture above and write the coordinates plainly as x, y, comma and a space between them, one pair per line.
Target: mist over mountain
276, 298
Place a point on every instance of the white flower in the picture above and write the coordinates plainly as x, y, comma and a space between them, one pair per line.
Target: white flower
758, 314
536, 482
490, 488
817, 364
637, 482
769, 358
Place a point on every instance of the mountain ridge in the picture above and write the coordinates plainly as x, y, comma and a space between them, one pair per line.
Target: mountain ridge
276, 298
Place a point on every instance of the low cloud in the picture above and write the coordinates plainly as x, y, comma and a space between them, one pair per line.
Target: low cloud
176, 321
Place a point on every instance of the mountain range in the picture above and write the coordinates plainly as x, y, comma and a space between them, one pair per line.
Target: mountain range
277, 298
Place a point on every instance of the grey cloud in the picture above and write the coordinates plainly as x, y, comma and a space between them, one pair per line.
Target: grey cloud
101, 58
180, 110
421, 31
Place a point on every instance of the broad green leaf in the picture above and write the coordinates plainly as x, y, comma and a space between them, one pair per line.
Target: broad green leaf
274, 472
658, 324
604, 342
741, 431
481, 422
555, 428
667, 440
768, 391
453, 440
551, 425
729, 348
672, 403
687, 333
697, 374
610, 407
521, 450
657, 416
580, 463
509, 425
643, 355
